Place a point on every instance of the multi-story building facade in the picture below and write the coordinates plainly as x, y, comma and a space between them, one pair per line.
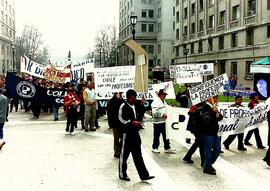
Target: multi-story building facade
154, 30
230, 33
7, 35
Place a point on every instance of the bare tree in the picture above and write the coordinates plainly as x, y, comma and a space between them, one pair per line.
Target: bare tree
30, 44
106, 43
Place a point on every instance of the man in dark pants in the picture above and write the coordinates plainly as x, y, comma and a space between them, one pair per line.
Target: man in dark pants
210, 139
195, 128
267, 156
131, 141
254, 100
240, 136
113, 111
14, 102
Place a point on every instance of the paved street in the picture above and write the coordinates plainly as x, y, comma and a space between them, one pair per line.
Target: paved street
38, 156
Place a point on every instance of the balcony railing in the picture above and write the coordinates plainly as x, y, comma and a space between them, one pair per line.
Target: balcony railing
250, 19
210, 31
221, 28
192, 36
185, 38
201, 33
234, 24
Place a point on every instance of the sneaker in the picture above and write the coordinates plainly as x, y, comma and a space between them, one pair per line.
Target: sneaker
155, 151
72, 133
67, 133
170, 151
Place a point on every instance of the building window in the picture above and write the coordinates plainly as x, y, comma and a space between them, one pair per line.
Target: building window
268, 31
151, 49
192, 48
248, 74
193, 9
159, 27
222, 18
144, 27
144, 47
173, 25
151, 27
200, 47
177, 2
177, 16
211, 2
211, 21
159, 48
236, 13
251, 7
234, 68
201, 5
177, 51
268, 4
173, 11
221, 42
249, 37
192, 28
159, 13
151, 13
201, 25
151, 63
185, 13
210, 44
185, 30
144, 14
234, 41
177, 34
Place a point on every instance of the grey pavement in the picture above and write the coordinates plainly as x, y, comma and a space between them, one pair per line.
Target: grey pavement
39, 156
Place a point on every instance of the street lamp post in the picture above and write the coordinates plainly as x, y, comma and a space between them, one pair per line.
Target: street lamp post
13, 57
186, 51
133, 21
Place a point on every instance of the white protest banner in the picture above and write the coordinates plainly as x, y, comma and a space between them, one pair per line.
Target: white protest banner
80, 69
32, 68
241, 119
191, 73
114, 79
150, 95
209, 89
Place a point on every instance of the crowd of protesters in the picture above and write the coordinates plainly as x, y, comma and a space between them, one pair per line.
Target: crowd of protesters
126, 118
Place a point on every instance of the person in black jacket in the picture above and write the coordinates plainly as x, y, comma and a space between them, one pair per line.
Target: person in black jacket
194, 127
267, 156
112, 111
240, 136
210, 139
131, 141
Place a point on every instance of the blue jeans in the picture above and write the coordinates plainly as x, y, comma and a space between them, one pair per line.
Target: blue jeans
1, 130
212, 149
55, 111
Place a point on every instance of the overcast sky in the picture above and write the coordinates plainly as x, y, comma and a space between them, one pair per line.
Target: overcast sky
66, 24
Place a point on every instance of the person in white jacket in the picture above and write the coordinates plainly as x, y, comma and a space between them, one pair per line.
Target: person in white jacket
159, 120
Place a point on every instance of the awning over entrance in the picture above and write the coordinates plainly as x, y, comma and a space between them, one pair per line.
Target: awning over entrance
261, 66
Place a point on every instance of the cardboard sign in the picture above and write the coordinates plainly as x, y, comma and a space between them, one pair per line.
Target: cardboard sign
80, 69
32, 68
114, 79
209, 89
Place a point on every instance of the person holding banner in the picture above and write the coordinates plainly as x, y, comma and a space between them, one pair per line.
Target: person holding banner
131, 140
90, 107
254, 100
210, 140
159, 120
71, 103
3, 113
240, 136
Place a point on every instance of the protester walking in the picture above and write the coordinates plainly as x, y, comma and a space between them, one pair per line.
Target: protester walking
240, 136
159, 121
254, 100
14, 102
194, 126
71, 103
82, 106
113, 121
131, 141
3, 113
90, 107
210, 139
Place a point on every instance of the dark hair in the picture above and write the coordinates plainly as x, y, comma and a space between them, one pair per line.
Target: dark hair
237, 97
131, 93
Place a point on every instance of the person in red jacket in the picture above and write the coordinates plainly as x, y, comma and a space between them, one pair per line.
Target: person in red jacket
72, 107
